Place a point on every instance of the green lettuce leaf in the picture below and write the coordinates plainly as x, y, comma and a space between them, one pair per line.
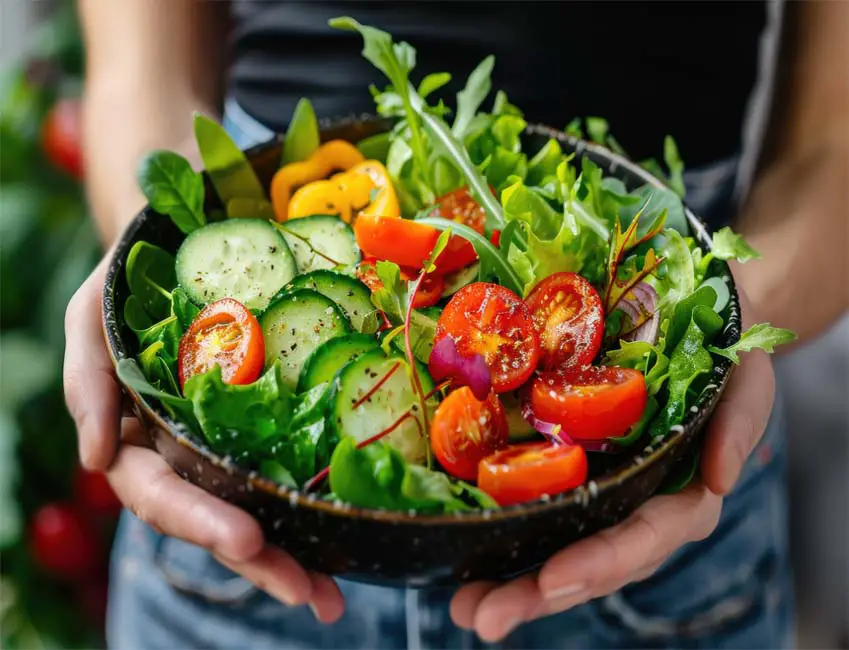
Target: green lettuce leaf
728, 245
762, 336
377, 476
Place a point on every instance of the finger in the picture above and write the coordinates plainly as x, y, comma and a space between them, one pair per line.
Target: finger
91, 391
503, 609
648, 536
739, 422
326, 602
465, 603
148, 486
276, 573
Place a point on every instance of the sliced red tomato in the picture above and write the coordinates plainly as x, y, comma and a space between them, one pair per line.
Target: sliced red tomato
223, 334
590, 403
428, 294
464, 431
569, 318
492, 321
521, 473
459, 206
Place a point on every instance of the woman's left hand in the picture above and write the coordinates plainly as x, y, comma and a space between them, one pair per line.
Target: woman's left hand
632, 550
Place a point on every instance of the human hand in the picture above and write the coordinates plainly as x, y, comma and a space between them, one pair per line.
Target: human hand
632, 550
148, 486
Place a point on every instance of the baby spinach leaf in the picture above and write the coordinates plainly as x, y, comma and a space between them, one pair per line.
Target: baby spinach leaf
638, 429
173, 188
238, 417
274, 471
652, 201
492, 262
762, 336
151, 277
302, 137
228, 168
183, 308
471, 97
157, 369
179, 408
377, 476
135, 315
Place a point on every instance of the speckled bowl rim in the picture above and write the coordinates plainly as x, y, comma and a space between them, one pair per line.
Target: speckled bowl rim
579, 496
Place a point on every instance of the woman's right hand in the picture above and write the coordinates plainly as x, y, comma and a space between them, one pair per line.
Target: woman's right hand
148, 486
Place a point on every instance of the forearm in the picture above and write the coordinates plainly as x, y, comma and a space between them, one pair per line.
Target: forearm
798, 219
798, 213
150, 64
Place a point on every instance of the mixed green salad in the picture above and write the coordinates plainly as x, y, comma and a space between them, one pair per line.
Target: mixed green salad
430, 319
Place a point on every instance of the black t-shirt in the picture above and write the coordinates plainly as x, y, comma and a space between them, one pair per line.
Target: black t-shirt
649, 68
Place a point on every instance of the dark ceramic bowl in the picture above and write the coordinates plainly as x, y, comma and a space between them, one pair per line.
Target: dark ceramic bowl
399, 548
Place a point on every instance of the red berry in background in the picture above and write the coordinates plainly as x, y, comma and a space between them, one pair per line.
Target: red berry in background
61, 137
64, 543
94, 495
93, 599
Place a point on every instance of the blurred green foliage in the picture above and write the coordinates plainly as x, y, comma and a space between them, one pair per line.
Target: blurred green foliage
47, 248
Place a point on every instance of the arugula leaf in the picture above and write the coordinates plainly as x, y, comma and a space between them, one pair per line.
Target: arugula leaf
151, 277
574, 129
728, 245
234, 418
492, 262
442, 138
395, 60
377, 476
675, 165
762, 336
392, 299
173, 188
302, 137
471, 97
599, 132
433, 82
228, 168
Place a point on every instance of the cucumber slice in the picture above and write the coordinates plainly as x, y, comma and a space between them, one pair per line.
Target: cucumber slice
244, 259
459, 279
517, 426
384, 407
330, 357
320, 242
295, 325
348, 293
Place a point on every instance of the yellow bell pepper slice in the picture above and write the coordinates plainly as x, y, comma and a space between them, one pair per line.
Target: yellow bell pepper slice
358, 184
331, 156
320, 197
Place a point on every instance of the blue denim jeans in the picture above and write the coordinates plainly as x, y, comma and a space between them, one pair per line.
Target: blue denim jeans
731, 590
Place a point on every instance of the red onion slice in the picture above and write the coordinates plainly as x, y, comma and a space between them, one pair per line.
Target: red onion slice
446, 362
641, 300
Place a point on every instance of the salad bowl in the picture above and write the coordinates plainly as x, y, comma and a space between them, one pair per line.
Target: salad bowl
408, 548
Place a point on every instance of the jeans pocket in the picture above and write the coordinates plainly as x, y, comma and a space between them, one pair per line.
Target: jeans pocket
193, 571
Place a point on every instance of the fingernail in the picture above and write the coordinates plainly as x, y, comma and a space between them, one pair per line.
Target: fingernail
568, 590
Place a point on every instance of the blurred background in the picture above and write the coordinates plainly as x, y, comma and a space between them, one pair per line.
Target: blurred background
56, 522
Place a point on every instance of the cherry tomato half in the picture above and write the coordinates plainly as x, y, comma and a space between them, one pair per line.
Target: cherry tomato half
569, 318
492, 321
521, 473
590, 403
464, 431
428, 294
459, 206
223, 334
